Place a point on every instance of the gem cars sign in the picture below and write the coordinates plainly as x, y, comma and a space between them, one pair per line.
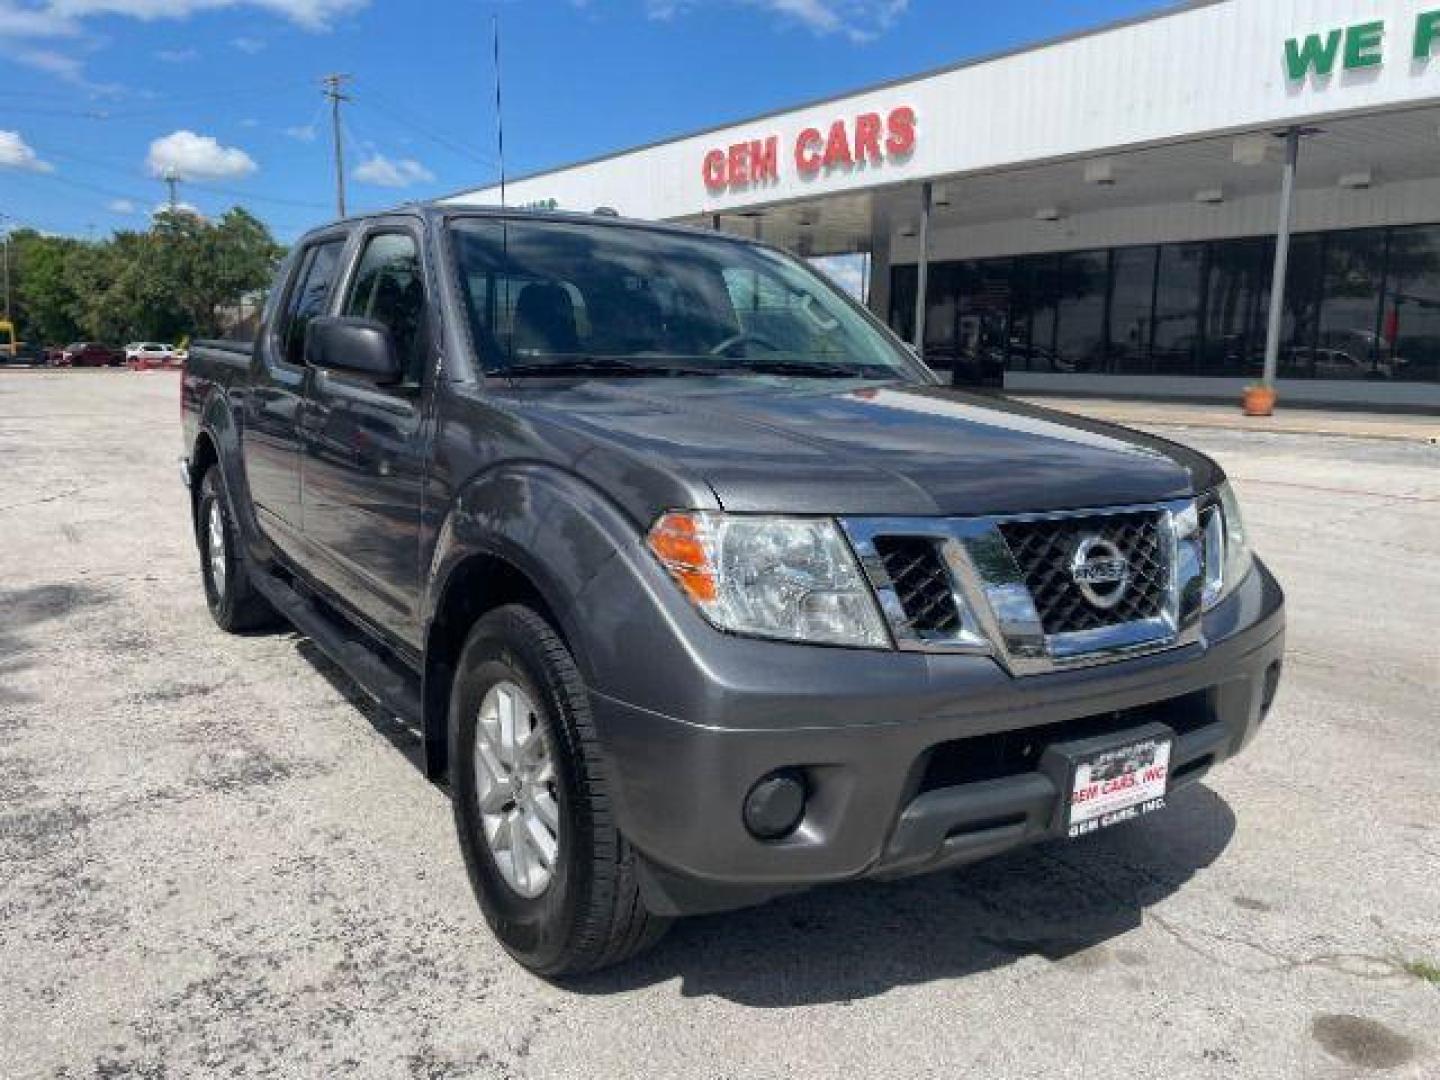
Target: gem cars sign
867, 140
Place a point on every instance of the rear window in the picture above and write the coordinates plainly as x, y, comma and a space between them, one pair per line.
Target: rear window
309, 297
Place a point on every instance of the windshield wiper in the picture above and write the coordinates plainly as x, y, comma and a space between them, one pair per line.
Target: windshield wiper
799, 368
580, 365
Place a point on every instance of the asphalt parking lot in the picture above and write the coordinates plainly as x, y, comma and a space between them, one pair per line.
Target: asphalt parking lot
217, 859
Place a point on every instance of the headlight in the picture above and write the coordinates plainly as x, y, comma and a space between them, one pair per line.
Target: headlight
1227, 549
776, 577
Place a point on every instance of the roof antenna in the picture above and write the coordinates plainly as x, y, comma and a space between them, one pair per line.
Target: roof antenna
499, 114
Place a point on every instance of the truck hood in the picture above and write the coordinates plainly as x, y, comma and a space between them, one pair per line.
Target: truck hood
798, 446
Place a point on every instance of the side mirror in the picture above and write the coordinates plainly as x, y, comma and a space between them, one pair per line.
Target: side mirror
355, 346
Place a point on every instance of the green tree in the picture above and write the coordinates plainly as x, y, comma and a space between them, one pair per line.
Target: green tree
175, 279
44, 299
208, 266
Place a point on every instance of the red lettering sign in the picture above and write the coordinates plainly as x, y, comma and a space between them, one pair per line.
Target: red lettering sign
807, 152
837, 146
901, 124
764, 164
713, 169
868, 140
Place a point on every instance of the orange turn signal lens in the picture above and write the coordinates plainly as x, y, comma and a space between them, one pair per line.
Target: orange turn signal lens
678, 541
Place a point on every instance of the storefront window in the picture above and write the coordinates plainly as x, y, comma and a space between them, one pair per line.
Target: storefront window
1044, 298
1178, 286
982, 322
1410, 319
1350, 307
1360, 304
1304, 289
1132, 297
1080, 313
1236, 299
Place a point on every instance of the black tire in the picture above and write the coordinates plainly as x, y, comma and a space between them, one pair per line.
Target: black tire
234, 603
590, 915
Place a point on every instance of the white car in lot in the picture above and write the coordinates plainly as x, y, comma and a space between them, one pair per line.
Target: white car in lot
141, 354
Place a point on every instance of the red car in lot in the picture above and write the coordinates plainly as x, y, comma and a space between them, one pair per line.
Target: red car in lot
90, 354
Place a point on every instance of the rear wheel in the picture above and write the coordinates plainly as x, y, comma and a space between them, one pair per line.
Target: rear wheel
229, 593
553, 875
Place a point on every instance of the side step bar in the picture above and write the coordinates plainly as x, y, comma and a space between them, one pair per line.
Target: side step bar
394, 687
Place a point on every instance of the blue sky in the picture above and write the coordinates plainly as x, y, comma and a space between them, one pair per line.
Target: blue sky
100, 97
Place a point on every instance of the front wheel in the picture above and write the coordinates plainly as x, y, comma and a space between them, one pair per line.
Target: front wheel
554, 876
231, 597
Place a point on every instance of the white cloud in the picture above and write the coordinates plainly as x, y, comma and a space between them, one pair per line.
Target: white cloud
16, 153
61, 65
382, 172
121, 206
177, 56
248, 45
197, 157
250, 122
65, 67
859, 20
311, 14
301, 132
28, 22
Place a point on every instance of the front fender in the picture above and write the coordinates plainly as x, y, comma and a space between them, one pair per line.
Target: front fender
552, 526
218, 424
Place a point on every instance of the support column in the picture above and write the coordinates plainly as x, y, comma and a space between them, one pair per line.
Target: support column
878, 299
1282, 259
922, 266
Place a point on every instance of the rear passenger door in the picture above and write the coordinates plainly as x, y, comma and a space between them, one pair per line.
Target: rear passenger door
271, 444
365, 444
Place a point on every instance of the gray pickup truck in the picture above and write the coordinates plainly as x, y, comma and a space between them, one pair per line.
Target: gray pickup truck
695, 585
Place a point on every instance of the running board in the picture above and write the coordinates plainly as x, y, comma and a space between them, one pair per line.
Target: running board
392, 686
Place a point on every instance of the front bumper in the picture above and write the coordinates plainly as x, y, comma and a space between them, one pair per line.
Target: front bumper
912, 763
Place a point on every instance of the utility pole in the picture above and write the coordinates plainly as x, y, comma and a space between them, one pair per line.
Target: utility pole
172, 182
4, 224
333, 91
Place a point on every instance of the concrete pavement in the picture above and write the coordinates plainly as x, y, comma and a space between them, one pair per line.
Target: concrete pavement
217, 858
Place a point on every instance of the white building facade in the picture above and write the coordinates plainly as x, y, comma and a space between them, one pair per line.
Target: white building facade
1100, 213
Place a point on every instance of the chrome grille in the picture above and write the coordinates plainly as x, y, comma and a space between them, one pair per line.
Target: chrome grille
1045, 548
1005, 586
922, 584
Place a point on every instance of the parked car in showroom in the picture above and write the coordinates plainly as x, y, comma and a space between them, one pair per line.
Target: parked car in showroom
697, 585
140, 355
90, 354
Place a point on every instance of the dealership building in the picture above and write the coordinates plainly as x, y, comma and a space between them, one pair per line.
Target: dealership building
1101, 213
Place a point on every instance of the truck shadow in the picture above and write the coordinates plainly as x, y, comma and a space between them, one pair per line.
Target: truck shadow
1062, 902
401, 735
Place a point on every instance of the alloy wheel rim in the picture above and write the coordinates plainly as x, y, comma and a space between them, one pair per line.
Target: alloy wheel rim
515, 789
216, 548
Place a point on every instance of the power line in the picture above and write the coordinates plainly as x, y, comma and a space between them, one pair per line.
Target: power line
133, 174
169, 105
400, 116
333, 84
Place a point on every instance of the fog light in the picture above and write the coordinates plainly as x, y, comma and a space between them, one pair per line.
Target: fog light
775, 804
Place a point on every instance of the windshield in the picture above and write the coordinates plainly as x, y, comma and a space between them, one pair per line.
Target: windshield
553, 298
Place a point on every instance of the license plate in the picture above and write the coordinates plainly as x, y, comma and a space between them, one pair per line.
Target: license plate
1118, 783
